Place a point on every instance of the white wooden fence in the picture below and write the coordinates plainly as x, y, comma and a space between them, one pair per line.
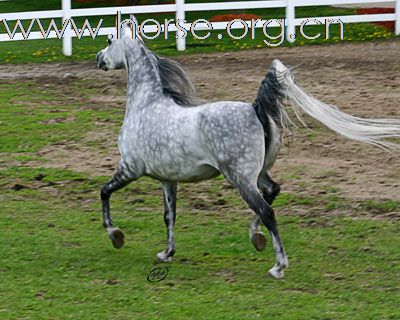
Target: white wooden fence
180, 7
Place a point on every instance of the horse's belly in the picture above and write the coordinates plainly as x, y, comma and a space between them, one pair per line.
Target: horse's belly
185, 173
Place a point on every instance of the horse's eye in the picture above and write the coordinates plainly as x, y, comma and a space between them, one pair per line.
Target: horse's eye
109, 41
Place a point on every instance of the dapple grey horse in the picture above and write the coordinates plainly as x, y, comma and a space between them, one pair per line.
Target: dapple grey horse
169, 136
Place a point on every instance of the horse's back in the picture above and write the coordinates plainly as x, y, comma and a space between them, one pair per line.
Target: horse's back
230, 119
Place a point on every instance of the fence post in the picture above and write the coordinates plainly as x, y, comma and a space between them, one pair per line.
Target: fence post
289, 21
180, 15
397, 23
67, 39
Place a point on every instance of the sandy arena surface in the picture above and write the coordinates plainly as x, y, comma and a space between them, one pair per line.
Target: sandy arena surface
361, 79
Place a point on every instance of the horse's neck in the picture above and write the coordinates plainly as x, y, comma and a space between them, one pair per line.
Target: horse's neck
144, 84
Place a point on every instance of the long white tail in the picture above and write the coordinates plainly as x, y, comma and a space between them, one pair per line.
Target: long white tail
279, 85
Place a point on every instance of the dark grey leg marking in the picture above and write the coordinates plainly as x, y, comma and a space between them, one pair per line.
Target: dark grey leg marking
169, 190
264, 211
270, 189
117, 182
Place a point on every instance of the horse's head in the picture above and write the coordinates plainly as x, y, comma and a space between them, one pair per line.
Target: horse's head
113, 56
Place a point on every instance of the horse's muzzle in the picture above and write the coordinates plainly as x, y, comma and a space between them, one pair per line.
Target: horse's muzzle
100, 61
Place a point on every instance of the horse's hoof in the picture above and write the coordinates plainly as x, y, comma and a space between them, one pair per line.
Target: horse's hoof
276, 272
164, 257
117, 237
259, 241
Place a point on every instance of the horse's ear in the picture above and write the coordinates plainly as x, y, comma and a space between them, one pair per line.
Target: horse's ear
130, 27
133, 18
132, 22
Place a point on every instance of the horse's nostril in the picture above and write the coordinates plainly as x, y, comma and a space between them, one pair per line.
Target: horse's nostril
98, 57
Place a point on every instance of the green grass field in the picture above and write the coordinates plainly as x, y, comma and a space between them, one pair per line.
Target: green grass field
57, 262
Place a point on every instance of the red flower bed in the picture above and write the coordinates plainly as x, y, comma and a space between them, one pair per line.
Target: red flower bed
92, 1
387, 24
229, 17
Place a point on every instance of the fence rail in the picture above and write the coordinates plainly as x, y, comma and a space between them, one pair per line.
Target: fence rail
180, 8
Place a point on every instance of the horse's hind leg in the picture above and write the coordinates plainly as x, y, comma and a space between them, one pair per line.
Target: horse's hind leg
169, 190
270, 189
118, 181
256, 202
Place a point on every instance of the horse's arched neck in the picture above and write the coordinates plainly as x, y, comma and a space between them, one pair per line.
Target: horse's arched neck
144, 83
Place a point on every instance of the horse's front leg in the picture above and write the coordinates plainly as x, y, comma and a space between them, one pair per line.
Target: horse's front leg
118, 181
169, 190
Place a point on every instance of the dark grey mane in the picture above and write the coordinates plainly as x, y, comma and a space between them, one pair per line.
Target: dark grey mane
175, 82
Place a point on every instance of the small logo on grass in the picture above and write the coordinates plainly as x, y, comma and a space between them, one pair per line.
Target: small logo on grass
157, 274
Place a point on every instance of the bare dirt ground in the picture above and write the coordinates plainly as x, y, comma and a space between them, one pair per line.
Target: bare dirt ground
361, 79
